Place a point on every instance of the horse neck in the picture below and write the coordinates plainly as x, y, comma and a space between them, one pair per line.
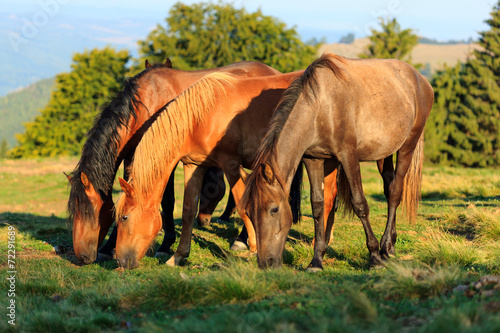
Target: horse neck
296, 136
156, 90
153, 196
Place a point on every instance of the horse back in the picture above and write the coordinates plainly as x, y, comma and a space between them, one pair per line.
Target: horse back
373, 106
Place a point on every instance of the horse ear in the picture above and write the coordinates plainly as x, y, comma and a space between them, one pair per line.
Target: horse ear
126, 187
243, 174
85, 181
67, 176
268, 173
147, 64
88, 187
168, 63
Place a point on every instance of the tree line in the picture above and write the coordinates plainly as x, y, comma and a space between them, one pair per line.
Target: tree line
463, 128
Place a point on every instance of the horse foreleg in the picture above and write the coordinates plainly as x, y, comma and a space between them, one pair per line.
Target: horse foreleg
237, 188
167, 216
315, 171
193, 180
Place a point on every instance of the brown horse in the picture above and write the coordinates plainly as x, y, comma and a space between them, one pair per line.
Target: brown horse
113, 139
219, 121
342, 111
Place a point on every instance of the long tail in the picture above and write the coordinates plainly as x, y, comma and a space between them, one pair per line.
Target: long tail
344, 193
296, 193
412, 185
413, 182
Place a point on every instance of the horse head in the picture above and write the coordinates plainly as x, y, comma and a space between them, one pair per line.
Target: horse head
133, 237
91, 217
266, 203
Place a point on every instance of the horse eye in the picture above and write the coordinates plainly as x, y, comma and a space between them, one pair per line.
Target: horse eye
274, 210
124, 218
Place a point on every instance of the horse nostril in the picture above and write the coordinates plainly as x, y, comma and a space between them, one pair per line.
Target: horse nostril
85, 259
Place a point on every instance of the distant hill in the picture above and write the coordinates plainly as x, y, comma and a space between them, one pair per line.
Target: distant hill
435, 55
22, 106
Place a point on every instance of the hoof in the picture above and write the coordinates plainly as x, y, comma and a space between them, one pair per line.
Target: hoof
386, 255
174, 261
204, 222
102, 257
376, 261
238, 246
314, 269
161, 254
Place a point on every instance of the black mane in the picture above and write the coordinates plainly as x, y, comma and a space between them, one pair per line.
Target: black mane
100, 151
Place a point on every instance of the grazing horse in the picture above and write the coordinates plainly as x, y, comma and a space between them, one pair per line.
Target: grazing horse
113, 138
340, 111
217, 122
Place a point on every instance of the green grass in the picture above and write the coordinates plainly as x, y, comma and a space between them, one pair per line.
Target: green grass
454, 242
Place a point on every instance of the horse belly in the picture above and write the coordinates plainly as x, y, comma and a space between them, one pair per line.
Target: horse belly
381, 142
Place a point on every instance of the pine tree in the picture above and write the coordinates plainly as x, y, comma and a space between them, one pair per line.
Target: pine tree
61, 128
464, 125
441, 134
207, 35
391, 42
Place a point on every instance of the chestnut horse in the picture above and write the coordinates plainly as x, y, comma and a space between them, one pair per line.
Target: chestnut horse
113, 139
219, 121
342, 111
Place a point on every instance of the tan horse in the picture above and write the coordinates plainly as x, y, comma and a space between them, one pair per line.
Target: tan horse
342, 111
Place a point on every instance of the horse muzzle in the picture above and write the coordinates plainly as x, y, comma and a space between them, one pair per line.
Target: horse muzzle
127, 261
87, 257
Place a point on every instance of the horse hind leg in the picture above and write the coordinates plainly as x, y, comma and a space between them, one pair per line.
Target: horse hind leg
212, 192
408, 163
230, 209
386, 170
351, 167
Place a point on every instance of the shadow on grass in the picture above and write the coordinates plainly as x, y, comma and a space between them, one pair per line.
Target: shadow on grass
483, 201
51, 231
357, 262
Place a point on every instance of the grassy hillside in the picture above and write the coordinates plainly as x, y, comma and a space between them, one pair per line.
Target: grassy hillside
430, 287
22, 106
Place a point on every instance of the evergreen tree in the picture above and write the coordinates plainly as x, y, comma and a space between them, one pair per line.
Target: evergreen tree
466, 114
207, 35
391, 42
441, 133
61, 128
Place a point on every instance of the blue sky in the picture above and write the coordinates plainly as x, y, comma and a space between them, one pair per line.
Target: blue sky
38, 38
439, 19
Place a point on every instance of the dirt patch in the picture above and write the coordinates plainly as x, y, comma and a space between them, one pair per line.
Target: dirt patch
28, 167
